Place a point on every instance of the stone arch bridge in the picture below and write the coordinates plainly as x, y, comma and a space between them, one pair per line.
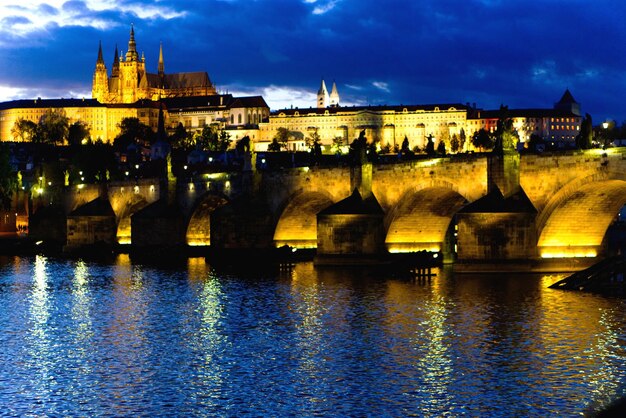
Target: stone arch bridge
574, 196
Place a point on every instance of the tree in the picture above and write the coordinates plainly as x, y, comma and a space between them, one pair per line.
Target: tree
223, 140
430, 146
337, 144
314, 140
274, 146
584, 138
455, 144
53, 127
441, 147
405, 149
462, 139
78, 133
132, 131
24, 130
282, 138
483, 140
181, 139
243, 145
8, 179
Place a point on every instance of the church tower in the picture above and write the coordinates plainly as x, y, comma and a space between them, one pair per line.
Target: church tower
100, 86
334, 96
322, 96
161, 68
131, 71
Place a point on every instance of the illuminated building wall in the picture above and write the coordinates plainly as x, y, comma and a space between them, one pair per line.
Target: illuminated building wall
387, 124
102, 120
239, 116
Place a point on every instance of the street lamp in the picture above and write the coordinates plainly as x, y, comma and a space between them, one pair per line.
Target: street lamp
605, 125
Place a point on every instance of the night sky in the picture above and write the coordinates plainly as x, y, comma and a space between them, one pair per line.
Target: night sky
489, 52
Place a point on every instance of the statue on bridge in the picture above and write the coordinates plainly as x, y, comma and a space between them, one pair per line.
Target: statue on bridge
358, 149
507, 137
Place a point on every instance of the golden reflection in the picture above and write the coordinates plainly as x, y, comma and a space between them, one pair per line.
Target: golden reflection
418, 313
209, 338
81, 312
198, 269
582, 332
40, 346
39, 305
307, 303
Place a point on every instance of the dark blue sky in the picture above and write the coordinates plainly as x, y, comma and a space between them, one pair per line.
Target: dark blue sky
518, 53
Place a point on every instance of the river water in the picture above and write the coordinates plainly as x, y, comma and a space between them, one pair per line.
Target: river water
123, 339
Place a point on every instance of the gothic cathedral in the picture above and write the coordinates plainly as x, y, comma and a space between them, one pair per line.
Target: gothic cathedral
129, 81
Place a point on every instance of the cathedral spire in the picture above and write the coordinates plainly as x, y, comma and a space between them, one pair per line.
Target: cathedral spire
100, 59
334, 95
131, 55
116, 63
161, 63
322, 95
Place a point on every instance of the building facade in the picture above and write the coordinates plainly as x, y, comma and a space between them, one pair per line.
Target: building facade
388, 125
239, 116
559, 125
102, 120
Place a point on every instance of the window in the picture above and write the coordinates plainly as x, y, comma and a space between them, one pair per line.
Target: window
239, 118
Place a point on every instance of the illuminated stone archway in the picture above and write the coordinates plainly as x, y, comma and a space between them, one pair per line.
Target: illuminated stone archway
576, 225
297, 226
421, 219
136, 203
199, 227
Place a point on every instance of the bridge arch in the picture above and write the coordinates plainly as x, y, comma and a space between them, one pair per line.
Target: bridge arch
297, 225
575, 221
135, 203
199, 226
421, 218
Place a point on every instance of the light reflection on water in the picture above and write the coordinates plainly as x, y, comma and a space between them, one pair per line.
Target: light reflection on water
80, 338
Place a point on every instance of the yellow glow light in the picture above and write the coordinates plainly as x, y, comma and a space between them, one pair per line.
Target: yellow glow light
412, 248
299, 244
580, 253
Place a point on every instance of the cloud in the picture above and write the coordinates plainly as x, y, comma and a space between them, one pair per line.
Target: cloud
322, 6
24, 17
8, 93
381, 85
